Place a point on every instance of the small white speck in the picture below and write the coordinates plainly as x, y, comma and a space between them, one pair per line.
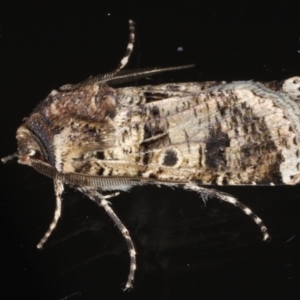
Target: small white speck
179, 49
109, 14
31, 152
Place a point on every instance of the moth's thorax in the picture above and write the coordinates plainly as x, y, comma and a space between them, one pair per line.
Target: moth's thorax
92, 102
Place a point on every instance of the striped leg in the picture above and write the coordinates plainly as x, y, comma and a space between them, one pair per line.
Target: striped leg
129, 48
59, 188
205, 192
101, 200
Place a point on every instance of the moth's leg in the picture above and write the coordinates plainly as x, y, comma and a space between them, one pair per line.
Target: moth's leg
205, 192
129, 48
101, 200
59, 188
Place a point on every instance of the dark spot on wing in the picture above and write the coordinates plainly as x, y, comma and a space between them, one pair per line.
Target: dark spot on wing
216, 145
155, 111
100, 155
170, 158
146, 158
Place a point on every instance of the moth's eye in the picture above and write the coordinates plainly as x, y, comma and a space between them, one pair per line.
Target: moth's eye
36, 154
31, 152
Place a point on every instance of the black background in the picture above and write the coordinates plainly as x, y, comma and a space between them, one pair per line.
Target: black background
186, 249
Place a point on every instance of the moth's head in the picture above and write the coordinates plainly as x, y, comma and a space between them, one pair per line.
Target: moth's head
29, 146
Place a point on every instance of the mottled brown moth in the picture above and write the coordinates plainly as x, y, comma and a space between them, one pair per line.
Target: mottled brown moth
99, 139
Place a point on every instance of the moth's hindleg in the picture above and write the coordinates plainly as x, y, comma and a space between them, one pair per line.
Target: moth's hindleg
205, 192
101, 200
59, 188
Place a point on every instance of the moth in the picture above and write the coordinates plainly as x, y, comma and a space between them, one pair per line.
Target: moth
102, 140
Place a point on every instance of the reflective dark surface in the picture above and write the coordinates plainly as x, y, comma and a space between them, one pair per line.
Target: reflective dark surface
185, 249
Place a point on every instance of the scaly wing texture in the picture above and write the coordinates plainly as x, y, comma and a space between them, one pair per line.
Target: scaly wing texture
213, 133
239, 133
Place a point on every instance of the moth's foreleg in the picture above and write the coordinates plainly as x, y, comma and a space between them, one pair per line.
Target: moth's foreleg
205, 192
59, 188
101, 200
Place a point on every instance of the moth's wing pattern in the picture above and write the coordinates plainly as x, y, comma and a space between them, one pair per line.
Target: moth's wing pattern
238, 134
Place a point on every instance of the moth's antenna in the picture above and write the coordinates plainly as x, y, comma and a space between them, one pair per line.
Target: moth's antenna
131, 75
123, 76
93, 181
